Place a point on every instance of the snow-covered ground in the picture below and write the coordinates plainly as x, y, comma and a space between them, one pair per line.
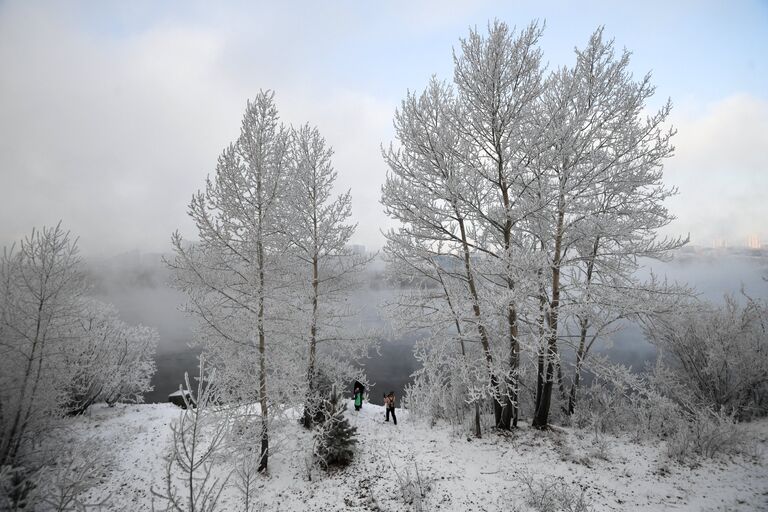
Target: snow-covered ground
457, 473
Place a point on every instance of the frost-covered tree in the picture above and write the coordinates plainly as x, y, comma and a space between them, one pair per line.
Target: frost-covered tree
435, 245
231, 275
463, 158
40, 306
600, 176
498, 78
317, 230
191, 482
526, 203
60, 351
112, 361
335, 440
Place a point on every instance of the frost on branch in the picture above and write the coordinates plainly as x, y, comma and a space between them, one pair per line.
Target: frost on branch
60, 352
525, 201
114, 361
713, 357
195, 475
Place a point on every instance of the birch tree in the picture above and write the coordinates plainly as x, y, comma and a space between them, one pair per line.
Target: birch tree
230, 275
318, 233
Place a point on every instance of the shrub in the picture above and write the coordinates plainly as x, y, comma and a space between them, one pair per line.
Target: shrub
706, 434
413, 487
553, 494
715, 357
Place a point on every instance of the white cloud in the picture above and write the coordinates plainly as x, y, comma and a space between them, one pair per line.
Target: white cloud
113, 135
721, 170
113, 128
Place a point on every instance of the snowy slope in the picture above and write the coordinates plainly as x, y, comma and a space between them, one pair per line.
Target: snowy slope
457, 473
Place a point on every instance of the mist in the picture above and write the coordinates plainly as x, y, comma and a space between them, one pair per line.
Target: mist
137, 283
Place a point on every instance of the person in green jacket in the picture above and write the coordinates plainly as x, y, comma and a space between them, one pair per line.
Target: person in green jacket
359, 390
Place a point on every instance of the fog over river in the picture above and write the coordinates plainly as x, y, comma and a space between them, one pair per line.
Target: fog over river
136, 284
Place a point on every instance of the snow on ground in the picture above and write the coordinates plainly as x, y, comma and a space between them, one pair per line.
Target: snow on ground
462, 474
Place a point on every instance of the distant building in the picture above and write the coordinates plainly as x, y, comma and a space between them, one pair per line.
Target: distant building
719, 243
753, 242
357, 248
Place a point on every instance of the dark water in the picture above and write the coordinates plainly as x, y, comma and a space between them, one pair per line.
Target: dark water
388, 369
170, 373
136, 285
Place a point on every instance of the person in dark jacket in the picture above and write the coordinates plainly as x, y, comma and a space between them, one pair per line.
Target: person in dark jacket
358, 390
389, 403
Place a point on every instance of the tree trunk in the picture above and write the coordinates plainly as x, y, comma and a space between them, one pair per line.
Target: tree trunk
541, 418
11, 443
577, 371
263, 392
542, 330
478, 433
497, 407
509, 414
263, 402
581, 352
311, 397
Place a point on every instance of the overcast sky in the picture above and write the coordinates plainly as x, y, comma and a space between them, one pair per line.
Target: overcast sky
113, 113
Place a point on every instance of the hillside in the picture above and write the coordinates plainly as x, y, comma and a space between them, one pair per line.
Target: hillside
456, 473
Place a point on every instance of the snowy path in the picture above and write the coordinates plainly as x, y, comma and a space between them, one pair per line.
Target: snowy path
461, 474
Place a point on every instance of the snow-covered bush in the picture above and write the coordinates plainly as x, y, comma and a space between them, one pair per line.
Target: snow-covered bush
554, 494
413, 486
707, 433
451, 384
620, 401
314, 412
57, 476
60, 486
715, 357
429, 400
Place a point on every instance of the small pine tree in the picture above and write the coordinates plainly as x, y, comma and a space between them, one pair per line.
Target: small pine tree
336, 438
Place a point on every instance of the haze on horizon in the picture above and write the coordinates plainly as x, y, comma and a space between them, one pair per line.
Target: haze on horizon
112, 114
